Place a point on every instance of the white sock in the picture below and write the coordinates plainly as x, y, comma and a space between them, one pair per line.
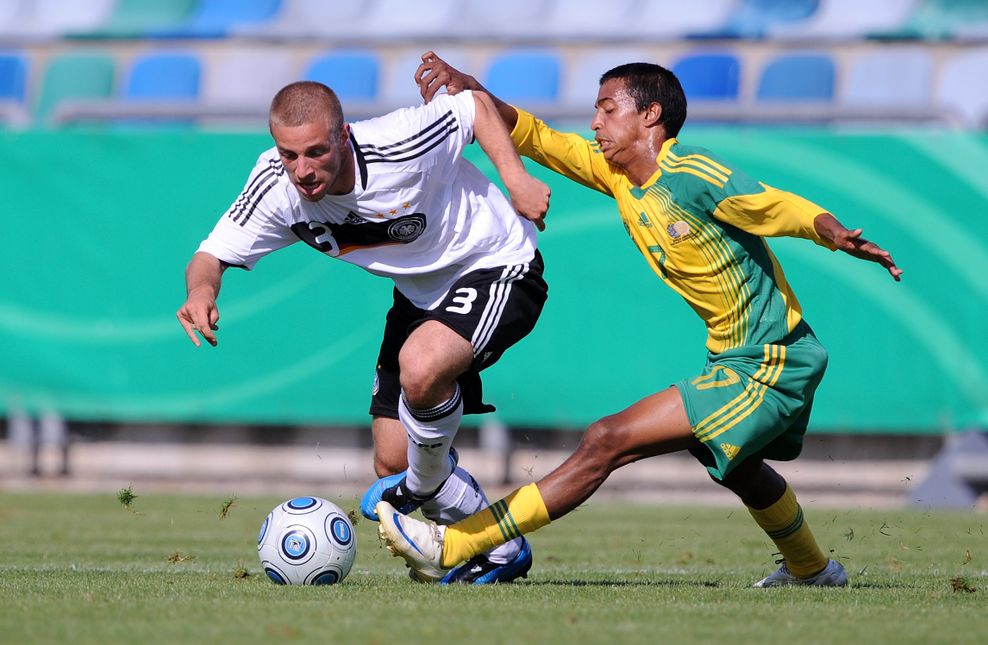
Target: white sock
460, 497
430, 434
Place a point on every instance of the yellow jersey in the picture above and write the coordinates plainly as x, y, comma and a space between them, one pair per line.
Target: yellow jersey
700, 223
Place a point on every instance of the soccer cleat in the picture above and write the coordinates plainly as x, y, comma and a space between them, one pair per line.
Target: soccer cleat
833, 575
479, 570
419, 543
392, 489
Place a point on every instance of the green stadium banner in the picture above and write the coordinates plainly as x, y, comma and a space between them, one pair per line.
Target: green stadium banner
97, 228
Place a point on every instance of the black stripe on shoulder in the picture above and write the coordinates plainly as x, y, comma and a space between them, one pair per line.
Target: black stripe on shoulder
420, 151
361, 164
442, 120
275, 169
257, 200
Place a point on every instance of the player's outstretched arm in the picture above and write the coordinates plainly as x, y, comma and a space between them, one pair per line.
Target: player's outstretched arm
851, 242
434, 74
528, 195
202, 284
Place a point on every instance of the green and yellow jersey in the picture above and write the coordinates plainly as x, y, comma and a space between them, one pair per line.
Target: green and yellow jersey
700, 223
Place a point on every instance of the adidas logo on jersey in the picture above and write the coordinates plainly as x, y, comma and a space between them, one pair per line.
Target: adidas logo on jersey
353, 218
730, 450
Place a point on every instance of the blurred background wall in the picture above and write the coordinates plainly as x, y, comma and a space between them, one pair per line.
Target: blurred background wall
128, 126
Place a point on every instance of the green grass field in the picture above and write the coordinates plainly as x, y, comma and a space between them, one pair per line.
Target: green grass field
86, 569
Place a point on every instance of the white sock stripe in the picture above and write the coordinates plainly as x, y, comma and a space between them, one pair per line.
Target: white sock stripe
500, 292
437, 412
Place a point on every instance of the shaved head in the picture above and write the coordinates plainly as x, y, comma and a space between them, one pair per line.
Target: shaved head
305, 102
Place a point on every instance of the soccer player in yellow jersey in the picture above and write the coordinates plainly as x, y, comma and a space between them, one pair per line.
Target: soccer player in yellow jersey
701, 224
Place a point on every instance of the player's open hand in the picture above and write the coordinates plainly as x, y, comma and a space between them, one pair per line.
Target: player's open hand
530, 197
199, 314
851, 242
434, 74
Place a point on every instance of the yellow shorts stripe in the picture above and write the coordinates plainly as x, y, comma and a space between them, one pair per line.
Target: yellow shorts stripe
748, 400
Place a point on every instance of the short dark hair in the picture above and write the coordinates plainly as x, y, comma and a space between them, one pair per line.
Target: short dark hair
648, 83
304, 102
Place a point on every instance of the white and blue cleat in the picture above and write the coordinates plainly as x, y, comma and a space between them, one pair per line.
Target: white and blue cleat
420, 544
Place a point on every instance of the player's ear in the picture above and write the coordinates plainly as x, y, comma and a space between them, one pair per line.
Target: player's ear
652, 114
345, 133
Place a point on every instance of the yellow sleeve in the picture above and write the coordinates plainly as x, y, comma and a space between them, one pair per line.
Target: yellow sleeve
772, 213
569, 154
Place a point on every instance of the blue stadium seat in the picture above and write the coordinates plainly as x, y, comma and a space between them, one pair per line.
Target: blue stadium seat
524, 75
709, 76
163, 76
352, 74
754, 17
216, 18
13, 77
797, 77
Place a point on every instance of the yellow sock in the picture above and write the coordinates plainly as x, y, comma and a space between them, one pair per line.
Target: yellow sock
783, 522
522, 511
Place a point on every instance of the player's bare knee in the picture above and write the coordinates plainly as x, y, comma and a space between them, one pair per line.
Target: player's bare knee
601, 444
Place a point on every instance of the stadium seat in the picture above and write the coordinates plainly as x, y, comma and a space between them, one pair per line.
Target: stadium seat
216, 18
309, 19
398, 88
13, 77
56, 18
934, 19
136, 18
247, 77
894, 79
386, 20
752, 18
75, 76
962, 90
797, 77
524, 75
582, 75
583, 19
709, 76
673, 19
502, 19
351, 73
12, 15
163, 76
845, 20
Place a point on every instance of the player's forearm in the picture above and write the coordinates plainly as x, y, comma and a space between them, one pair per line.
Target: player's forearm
494, 137
204, 275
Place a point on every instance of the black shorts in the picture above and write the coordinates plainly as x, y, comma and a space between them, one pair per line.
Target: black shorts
491, 308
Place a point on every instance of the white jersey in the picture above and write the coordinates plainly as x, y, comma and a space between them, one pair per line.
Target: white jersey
419, 213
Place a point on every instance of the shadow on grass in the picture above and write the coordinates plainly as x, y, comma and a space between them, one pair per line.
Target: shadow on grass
622, 583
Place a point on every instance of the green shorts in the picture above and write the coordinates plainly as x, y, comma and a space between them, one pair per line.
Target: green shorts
754, 401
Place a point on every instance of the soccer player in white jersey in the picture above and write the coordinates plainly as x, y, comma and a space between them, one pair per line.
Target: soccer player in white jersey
395, 196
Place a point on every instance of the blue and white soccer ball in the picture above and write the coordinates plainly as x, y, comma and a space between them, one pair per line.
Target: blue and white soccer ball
307, 541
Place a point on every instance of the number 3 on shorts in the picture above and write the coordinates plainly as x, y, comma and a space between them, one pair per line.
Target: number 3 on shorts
464, 301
